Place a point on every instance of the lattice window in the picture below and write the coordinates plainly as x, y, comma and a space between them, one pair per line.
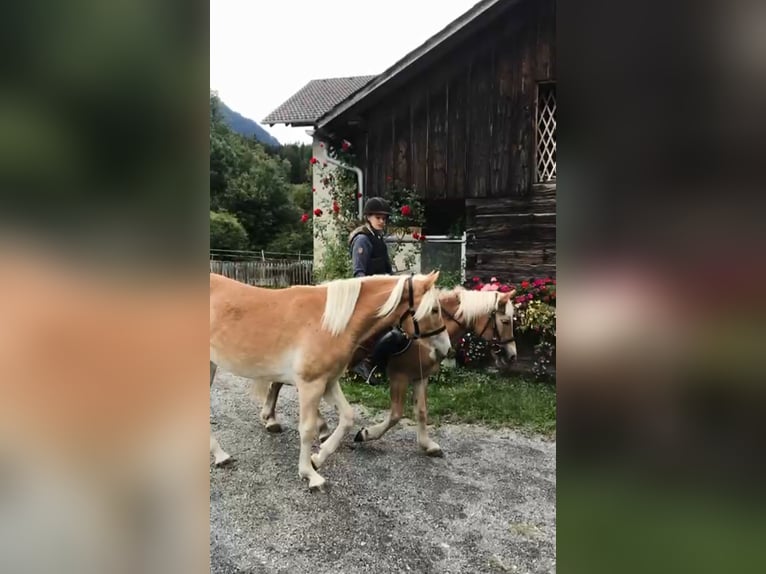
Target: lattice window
546, 132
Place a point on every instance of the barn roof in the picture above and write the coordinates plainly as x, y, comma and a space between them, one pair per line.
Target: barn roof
418, 59
315, 99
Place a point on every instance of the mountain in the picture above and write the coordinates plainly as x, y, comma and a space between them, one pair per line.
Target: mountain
246, 127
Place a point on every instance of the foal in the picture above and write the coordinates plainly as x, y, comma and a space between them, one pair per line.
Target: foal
488, 315
306, 336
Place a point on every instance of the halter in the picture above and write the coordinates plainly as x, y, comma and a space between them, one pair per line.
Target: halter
411, 312
496, 343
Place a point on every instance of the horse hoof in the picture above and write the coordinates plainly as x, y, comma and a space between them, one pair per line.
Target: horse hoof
313, 463
359, 437
224, 461
274, 428
318, 487
435, 452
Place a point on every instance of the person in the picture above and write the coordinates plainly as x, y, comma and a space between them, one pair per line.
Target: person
369, 253
369, 256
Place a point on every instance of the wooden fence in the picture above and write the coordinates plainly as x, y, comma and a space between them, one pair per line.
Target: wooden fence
267, 272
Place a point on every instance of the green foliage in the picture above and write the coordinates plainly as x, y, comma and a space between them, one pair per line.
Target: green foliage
336, 261
226, 232
252, 185
448, 279
459, 395
297, 157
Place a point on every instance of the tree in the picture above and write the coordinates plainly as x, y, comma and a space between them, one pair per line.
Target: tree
226, 232
252, 185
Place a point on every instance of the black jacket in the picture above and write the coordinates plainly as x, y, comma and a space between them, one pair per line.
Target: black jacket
369, 252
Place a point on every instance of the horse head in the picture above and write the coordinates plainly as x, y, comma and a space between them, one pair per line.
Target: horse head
489, 316
415, 300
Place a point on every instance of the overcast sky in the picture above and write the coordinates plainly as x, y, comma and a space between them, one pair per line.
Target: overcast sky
262, 51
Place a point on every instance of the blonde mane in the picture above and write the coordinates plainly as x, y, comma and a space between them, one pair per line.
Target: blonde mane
476, 304
342, 295
429, 300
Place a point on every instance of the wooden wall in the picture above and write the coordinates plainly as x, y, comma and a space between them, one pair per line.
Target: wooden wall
465, 129
513, 238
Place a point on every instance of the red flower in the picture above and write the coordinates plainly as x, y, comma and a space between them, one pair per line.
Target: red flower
504, 289
358, 195
335, 206
524, 284
317, 212
406, 210
321, 144
313, 160
422, 237
476, 279
304, 218
314, 189
416, 235
345, 145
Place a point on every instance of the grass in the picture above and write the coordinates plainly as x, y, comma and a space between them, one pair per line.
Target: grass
464, 396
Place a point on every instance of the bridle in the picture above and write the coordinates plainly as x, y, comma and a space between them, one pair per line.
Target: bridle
496, 342
410, 312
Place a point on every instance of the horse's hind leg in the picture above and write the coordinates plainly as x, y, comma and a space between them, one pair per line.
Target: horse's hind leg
269, 409
334, 396
421, 413
220, 456
398, 384
323, 430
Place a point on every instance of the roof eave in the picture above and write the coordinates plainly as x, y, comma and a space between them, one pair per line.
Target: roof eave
430, 47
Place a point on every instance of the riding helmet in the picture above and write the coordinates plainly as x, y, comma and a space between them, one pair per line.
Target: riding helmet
377, 205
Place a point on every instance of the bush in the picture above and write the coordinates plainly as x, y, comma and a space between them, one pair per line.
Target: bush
226, 232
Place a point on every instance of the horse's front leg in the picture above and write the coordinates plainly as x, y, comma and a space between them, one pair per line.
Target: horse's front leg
220, 456
421, 413
398, 384
309, 395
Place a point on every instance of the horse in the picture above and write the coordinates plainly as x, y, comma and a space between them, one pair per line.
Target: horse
306, 336
488, 315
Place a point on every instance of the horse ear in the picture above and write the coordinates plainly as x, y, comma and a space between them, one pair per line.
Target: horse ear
430, 279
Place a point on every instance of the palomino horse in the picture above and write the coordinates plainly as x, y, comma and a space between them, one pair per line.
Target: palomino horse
488, 315
306, 335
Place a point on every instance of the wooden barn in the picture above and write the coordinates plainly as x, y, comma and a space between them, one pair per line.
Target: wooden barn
468, 119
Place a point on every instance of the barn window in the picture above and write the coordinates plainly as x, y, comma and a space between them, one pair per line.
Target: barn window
546, 132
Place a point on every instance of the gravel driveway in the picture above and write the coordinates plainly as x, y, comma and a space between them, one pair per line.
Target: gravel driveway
487, 506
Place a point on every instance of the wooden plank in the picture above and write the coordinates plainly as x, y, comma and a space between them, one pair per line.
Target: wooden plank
506, 116
456, 142
387, 148
480, 139
374, 174
437, 144
402, 154
419, 141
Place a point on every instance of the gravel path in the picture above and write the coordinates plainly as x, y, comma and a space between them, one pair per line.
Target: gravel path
487, 506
